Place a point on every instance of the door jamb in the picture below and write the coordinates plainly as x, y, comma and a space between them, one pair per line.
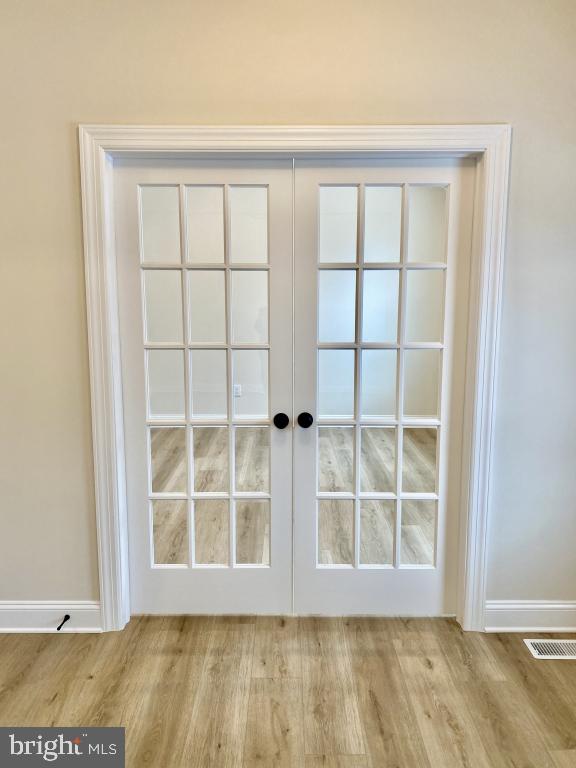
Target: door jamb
100, 145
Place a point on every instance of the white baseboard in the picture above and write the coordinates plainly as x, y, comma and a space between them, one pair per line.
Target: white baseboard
46, 615
530, 616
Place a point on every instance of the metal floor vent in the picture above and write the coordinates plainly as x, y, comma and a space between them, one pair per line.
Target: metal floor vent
552, 649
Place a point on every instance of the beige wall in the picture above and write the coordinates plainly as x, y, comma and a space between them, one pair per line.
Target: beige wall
264, 61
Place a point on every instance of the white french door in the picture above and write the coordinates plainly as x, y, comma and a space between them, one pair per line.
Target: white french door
205, 273
381, 252
308, 472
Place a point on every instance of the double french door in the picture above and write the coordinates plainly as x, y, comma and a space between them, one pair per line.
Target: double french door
292, 359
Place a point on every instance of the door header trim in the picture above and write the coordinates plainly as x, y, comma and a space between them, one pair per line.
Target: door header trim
101, 144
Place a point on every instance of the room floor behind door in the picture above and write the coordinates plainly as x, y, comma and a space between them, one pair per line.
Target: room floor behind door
336, 468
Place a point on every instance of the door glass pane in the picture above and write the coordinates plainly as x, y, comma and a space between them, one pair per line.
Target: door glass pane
338, 224
249, 307
424, 305
379, 382
380, 307
378, 460
210, 458
211, 532
252, 459
383, 222
421, 382
208, 383
336, 459
163, 305
160, 215
205, 213
165, 383
427, 224
336, 382
337, 305
206, 306
253, 532
168, 459
250, 383
170, 530
335, 532
248, 225
419, 459
377, 520
418, 532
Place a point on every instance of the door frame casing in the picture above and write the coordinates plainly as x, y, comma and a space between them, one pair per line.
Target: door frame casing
101, 144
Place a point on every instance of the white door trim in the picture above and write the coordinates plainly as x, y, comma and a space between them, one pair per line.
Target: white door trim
100, 144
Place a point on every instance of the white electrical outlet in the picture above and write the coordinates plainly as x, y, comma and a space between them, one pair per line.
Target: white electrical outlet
237, 390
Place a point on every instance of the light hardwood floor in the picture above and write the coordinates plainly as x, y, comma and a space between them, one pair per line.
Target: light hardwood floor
336, 473
243, 692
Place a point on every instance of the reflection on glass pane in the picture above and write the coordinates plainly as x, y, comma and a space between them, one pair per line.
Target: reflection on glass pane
419, 459
421, 381
337, 305
378, 459
380, 308
379, 382
210, 457
163, 305
166, 383
336, 382
377, 522
205, 224
418, 532
252, 460
249, 307
338, 217
208, 383
253, 532
383, 220
427, 224
170, 527
335, 532
424, 304
211, 532
206, 306
160, 213
248, 225
336, 459
168, 459
250, 383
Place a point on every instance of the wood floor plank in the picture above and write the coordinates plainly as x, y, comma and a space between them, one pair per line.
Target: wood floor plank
274, 730
332, 723
390, 725
447, 726
126, 661
155, 725
565, 758
277, 647
336, 761
551, 705
218, 718
252, 459
468, 655
504, 719
53, 673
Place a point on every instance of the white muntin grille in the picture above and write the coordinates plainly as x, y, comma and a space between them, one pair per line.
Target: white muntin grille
552, 649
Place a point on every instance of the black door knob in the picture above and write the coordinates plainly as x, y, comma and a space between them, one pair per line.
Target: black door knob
305, 420
281, 420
